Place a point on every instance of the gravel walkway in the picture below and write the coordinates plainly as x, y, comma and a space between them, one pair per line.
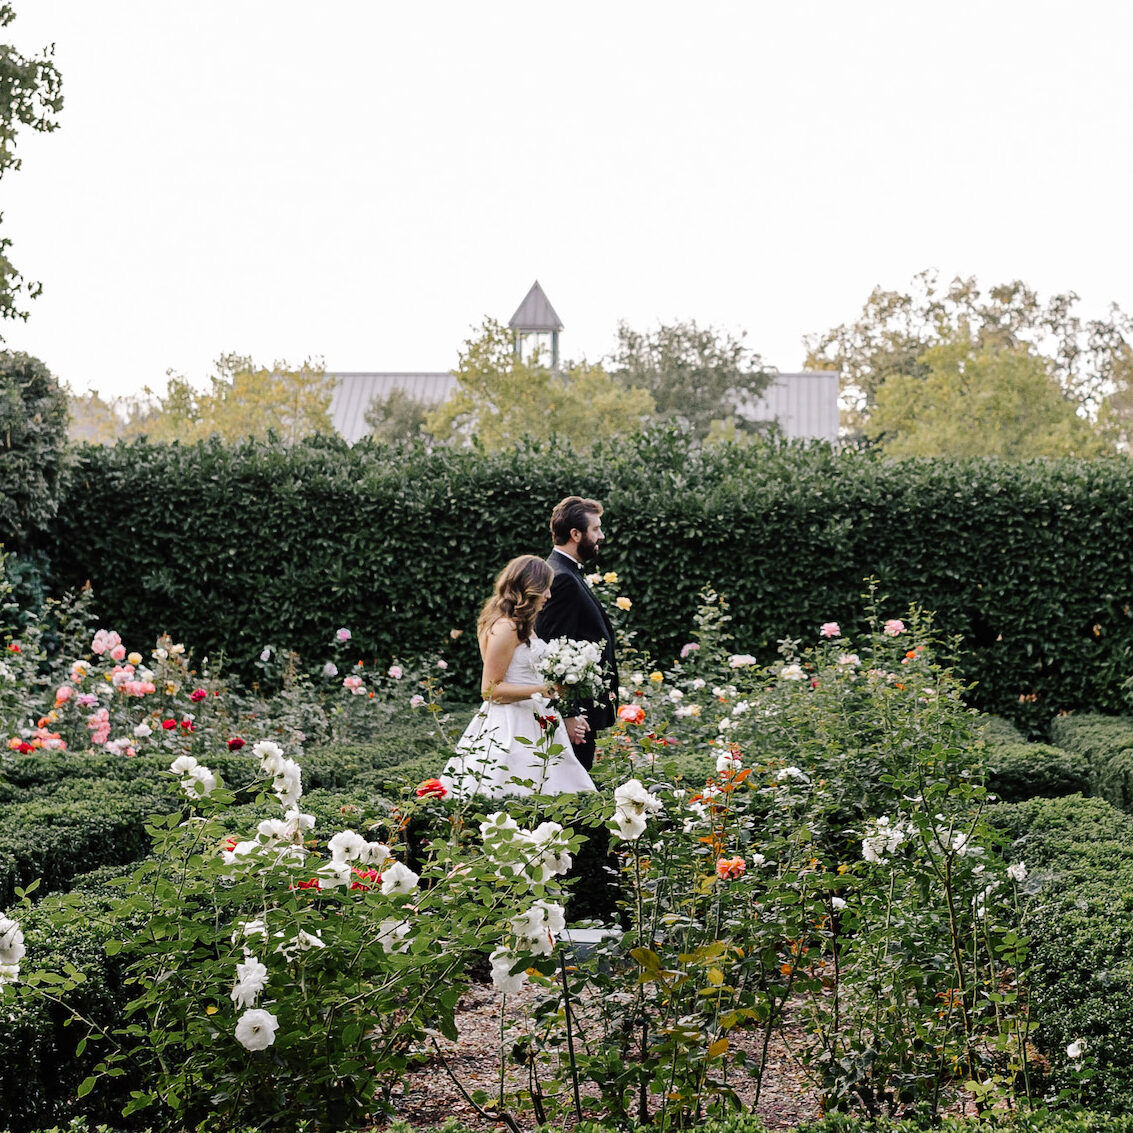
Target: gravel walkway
429, 1096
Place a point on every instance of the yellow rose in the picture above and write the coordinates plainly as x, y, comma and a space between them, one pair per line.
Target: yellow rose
623, 603
694, 709
134, 658
610, 577
656, 677
171, 688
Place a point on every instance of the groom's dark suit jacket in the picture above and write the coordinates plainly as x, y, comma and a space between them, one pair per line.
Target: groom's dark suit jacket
573, 611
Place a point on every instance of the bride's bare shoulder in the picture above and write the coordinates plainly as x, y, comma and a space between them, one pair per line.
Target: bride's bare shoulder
502, 629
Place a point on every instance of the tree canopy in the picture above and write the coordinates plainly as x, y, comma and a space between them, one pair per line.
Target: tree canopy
696, 375
501, 398
398, 416
242, 400
968, 399
33, 438
31, 95
895, 332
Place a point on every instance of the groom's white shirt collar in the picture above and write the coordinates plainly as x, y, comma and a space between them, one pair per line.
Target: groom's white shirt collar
567, 555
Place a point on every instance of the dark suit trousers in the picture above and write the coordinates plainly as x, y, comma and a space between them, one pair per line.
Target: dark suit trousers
584, 752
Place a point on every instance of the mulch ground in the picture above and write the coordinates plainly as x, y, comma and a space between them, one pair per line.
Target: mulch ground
428, 1096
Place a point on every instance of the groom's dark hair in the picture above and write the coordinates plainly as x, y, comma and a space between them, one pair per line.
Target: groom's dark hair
571, 513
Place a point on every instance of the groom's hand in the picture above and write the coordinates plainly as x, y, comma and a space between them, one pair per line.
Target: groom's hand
576, 728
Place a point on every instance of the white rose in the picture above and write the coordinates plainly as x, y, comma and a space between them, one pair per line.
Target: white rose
251, 977
256, 1029
336, 874
12, 949
502, 979
346, 846
391, 935
398, 878
375, 854
199, 783
248, 929
630, 826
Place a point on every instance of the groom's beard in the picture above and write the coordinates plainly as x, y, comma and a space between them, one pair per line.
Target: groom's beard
587, 549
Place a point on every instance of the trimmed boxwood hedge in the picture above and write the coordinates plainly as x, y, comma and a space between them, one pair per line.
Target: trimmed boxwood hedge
81, 826
1105, 746
42, 1067
235, 547
63, 814
1017, 771
1078, 913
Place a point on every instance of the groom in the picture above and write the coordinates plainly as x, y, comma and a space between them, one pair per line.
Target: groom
573, 611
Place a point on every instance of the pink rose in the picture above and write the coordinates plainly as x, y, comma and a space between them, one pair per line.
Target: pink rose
416, 700
830, 629
86, 699
691, 647
395, 672
118, 653
893, 627
442, 664
343, 634
63, 694
104, 641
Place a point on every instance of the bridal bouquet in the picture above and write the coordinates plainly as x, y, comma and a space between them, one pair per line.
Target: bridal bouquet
576, 667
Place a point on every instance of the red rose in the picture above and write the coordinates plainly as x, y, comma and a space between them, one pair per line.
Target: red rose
432, 789
24, 748
236, 743
198, 694
14, 648
312, 884
169, 725
188, 726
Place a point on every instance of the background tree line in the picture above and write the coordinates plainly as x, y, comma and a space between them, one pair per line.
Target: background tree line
936, 370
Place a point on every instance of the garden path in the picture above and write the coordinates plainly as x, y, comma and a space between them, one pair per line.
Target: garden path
429, 1097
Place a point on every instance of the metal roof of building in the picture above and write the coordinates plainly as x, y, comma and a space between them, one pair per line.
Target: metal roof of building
535, 313
355, 391
804, 403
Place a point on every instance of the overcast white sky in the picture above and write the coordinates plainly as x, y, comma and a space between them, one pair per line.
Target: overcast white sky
364, 181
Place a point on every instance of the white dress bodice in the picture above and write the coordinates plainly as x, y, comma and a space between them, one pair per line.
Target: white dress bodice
521, 668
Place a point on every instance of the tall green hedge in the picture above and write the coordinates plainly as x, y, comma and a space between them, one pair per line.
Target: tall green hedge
238, 547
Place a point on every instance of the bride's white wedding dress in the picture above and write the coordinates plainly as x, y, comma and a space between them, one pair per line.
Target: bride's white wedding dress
489, 755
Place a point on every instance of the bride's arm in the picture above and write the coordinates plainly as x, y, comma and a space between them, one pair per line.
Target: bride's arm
497, 649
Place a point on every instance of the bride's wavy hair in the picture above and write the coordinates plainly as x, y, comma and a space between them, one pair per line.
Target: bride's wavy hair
517, 587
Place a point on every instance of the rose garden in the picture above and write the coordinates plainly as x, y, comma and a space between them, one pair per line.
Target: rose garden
235, 892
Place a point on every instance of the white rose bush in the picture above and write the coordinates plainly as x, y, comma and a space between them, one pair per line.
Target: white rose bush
289, 976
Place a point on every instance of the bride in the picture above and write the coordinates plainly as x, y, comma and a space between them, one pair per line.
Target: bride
489, 756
